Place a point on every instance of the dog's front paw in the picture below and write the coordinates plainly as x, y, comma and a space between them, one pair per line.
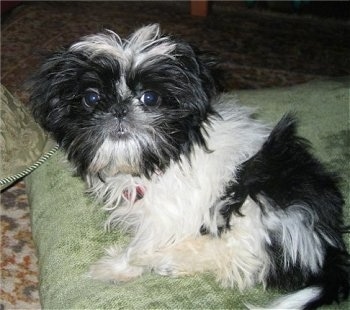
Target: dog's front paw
165, 270
114, 269
167, 266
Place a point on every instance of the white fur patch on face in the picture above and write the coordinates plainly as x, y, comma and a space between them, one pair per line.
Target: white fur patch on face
143, 46
146, 44
100, 43
117, 156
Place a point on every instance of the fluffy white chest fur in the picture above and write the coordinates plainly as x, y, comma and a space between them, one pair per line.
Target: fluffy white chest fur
176, 203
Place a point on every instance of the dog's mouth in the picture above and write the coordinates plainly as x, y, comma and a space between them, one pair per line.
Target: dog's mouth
119, 129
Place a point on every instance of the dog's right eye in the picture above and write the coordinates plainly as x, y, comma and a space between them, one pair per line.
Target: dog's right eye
91, 98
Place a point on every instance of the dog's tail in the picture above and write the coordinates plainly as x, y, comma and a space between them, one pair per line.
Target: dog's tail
297, 300
330, 285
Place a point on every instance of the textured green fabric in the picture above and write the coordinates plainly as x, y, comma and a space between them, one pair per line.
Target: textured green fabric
22, 141
68, 228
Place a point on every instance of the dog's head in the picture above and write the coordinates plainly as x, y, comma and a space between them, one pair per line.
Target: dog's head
128, 106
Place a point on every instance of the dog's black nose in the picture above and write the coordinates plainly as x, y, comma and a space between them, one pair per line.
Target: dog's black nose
119, 111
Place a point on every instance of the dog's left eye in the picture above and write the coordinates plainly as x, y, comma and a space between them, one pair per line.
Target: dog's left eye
91, 98
150, 98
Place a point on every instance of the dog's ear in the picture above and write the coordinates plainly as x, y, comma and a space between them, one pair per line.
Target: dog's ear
197, 68
49, 88
41, 87
210, 60
208, 63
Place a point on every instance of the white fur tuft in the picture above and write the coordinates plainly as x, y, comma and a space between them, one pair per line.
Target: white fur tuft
294, 301
143, 46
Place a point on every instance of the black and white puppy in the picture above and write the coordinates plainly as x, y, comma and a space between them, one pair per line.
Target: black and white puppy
199, 183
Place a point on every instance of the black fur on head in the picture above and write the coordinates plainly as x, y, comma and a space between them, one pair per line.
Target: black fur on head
129, 105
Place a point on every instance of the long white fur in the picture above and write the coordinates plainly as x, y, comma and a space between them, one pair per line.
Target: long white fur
295, 229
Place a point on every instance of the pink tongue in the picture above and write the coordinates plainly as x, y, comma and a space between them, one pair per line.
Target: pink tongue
140, 192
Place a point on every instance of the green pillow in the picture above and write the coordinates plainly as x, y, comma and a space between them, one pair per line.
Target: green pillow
22, 141
68, 227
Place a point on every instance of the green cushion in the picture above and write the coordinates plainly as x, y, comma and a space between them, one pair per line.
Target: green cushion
68, 227
22, 141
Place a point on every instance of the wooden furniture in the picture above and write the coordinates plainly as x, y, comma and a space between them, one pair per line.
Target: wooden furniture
199, 7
